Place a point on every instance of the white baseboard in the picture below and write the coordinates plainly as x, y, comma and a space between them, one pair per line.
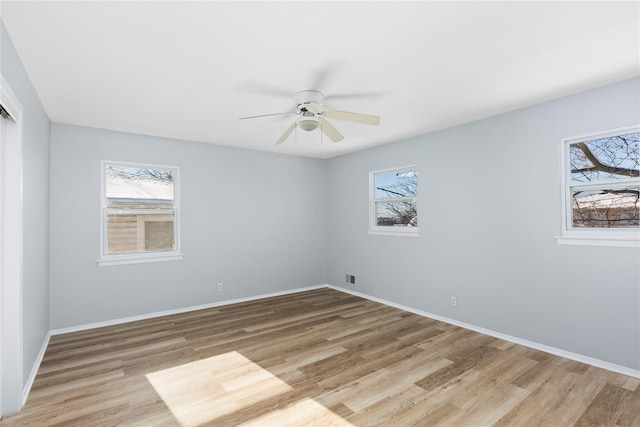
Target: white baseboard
36, 365
536, 346
176, 311
34, 370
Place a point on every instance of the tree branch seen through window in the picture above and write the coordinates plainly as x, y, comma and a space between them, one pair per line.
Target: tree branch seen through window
395, 198
604, 191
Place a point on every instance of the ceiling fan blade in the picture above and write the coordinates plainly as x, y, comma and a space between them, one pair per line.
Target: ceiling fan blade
333, 96
286, 133
315, 108
365, 119
265, 115
330, 131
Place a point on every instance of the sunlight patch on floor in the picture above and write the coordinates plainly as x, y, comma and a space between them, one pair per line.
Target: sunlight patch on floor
202, 391
304, 412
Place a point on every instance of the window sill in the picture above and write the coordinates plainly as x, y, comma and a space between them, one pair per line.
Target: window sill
404, 232
590, 240
139, 259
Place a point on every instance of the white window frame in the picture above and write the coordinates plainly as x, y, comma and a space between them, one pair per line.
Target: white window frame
592, 236
139, 257
375, 229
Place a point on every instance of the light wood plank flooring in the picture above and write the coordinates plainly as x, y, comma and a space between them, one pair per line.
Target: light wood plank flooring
315, 358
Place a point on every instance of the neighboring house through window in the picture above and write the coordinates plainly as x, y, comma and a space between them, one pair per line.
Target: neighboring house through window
601, 188
140, 213
394, 201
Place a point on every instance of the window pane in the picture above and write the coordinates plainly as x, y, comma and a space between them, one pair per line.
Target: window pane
611, 208
397, 214
139, 233
135, 187
610, 158
397, 183
158, 235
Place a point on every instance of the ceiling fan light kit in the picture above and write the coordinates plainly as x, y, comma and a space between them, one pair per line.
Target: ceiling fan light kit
308, 123
311, 115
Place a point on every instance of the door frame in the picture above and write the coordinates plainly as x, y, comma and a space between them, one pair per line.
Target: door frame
11, 254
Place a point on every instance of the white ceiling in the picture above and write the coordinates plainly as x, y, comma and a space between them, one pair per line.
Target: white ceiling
190, 70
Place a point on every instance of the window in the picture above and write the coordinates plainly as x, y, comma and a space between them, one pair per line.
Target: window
394, 201
139, 213
601, 191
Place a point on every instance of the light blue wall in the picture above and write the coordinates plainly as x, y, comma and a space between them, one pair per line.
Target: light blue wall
489, 208
489, 211
35, 151
253, 220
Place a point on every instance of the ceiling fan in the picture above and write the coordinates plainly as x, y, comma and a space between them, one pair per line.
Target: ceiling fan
311, 114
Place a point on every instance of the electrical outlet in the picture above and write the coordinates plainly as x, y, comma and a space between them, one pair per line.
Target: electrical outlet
353, 280
220, 284
350, 279
454, 301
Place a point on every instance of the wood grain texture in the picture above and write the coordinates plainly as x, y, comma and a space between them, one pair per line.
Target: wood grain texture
315, 358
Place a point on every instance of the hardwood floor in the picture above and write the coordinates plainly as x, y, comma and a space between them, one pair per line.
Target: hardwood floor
316, 358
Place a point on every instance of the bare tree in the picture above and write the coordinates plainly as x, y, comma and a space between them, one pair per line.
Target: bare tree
401, 209
606, 159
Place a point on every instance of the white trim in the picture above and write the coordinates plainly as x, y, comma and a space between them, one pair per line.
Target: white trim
389, 230
592, 237
602, 134
144, 258
113, 211
598, 241
531, 344
139, 257
10, 101
545, 348
35, 368
178, 311
11, 264
401, 231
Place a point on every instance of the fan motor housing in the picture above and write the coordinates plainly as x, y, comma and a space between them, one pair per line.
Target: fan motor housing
307, 96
